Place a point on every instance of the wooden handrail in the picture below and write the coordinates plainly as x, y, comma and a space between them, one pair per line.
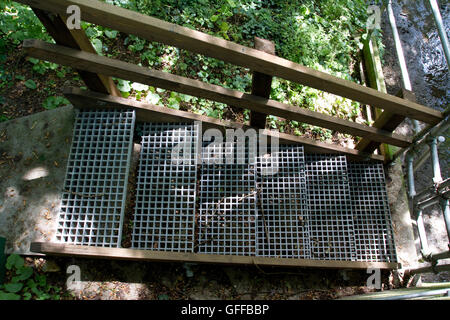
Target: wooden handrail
146, 112
103, 65
153, 29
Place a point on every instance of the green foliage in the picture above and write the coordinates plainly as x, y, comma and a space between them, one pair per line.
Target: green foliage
324, 35
30, 84
25, 283
17, 23
54, 102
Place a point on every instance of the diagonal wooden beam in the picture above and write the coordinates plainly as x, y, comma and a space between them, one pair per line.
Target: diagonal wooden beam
76, 39
385, 121
128, 71
145, 112
153, 29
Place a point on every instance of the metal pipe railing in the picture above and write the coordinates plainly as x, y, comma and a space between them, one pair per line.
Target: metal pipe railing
441, 30
401, 57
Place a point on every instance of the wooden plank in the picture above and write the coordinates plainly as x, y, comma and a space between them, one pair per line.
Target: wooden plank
76, 39
385, 121
261, 83
162, 256
123, 70
151, 113
157, 30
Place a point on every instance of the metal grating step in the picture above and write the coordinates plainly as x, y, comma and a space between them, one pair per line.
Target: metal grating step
372, 220
166, 188
286, 205
331, 220
93, 201
227, 203
283, 224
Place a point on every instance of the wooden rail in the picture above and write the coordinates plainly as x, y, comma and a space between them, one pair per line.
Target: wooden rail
162, 256
157, 30
76, 39
146, 112
98, 64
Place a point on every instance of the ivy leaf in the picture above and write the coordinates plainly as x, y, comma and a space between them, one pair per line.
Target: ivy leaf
54, 102
231, 3
27, 296
139, 86
14, 261
9, 296
111, 34
24, 273
152, 98
30, 84
98, 45
13, 287
224, 26
124, 86
173, 103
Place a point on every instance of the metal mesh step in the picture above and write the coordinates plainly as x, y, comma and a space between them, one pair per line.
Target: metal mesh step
287, 205
166, 188
331, 220
372, 220
227, 204
283, 224
93, 201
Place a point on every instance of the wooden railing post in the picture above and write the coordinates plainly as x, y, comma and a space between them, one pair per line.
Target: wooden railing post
384, 120
261, 83
76, 39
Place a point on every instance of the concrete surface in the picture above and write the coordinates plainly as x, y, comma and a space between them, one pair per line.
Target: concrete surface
33, 156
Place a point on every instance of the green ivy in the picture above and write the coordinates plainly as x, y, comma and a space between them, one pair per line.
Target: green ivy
25, 283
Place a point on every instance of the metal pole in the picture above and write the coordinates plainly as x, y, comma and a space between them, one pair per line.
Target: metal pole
422, 234
431, 293
411, 185
401, 57
437, 177
420, 138
439, 256
421, 160
446, 211
428, 269
441, 29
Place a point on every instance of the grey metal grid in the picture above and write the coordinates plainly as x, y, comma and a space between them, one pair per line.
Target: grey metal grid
283, 224
93, 200
165, 193
330, 210
372, 220
227, 206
